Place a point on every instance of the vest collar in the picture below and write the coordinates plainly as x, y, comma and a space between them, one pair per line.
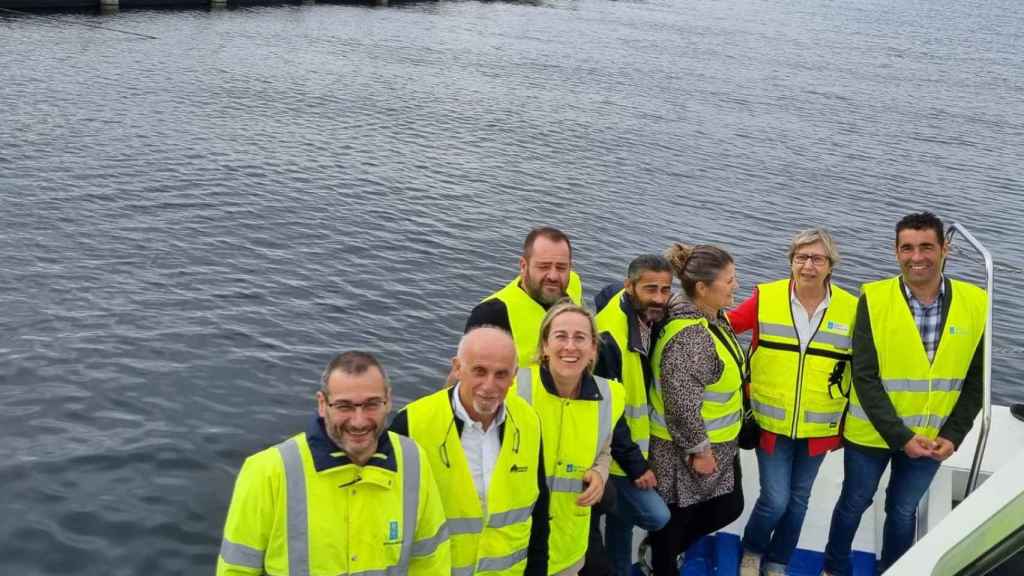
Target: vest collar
635, 337
588, 388
328, 456
460, 424
518, 283
944, 289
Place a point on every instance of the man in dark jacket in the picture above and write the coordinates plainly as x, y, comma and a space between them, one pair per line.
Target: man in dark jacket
628, 315
917, 386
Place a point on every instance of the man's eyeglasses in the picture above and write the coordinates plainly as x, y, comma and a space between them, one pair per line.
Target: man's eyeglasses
817, 259
371, 406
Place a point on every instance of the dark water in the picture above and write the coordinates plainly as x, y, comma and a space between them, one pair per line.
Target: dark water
191, 226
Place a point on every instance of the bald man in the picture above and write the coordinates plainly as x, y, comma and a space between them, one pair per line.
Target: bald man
481, 441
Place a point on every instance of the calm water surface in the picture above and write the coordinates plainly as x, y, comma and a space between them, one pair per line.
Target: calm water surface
190, 226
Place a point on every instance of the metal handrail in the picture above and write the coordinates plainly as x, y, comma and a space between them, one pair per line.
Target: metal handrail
986, 410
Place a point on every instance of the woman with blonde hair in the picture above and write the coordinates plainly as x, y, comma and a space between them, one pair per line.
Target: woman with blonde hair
579, 413
697, 405
800, 375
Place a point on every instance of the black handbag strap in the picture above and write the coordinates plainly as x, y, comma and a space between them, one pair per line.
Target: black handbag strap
734, 348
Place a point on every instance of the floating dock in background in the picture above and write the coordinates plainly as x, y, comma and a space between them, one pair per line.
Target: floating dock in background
108, 6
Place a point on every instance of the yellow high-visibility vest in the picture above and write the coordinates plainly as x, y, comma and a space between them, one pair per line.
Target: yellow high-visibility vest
722, 407
525, 314
495, 542
793, 393
288, 518
613, 320
574, 431
922, 392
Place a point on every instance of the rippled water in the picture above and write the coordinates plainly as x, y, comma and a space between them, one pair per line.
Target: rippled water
192, 225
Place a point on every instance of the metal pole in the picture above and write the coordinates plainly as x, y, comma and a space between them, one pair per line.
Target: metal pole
986, 410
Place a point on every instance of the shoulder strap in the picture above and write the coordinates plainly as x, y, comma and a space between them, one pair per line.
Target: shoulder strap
733, 346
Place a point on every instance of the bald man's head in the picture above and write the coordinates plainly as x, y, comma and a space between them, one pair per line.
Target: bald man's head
485, 367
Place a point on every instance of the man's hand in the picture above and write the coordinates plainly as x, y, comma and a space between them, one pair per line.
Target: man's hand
704, 463
943, 449
919, 447
646, 481
593, 489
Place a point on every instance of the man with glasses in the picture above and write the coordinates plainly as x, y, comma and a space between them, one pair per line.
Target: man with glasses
917, 386
482, 442
343, 497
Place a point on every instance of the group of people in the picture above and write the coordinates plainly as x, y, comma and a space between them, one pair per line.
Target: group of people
553, 416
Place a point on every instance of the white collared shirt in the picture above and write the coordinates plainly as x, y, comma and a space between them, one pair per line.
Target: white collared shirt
804, 324
481, 447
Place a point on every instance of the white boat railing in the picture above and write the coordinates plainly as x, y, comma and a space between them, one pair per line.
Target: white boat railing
986, 410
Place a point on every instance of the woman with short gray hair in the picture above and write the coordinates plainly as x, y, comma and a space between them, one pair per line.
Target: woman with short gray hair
799, 378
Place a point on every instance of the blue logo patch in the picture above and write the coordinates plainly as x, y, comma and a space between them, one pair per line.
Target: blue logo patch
953, 331
837, 326
568, 467
393, 530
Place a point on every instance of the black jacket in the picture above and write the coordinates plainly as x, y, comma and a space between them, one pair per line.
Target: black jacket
491, 312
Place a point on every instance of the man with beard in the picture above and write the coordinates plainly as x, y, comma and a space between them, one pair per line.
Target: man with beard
545, 277
481, 441
627, 317
343, 497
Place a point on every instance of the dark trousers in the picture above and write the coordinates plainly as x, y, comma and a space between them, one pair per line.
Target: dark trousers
689, 524
597, 562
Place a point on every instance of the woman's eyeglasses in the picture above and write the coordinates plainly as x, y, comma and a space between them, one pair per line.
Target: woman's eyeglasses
816, 259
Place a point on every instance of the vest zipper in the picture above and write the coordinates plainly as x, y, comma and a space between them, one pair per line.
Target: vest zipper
800, 369
561, 430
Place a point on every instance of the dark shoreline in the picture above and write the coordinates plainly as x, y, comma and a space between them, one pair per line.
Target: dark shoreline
13, 7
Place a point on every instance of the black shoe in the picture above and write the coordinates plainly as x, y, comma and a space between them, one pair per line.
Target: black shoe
1017, 410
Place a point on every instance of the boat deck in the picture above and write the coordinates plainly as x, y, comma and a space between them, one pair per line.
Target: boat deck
719, 555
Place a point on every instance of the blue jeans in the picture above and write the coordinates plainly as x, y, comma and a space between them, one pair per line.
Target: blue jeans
643, 508
908, 481
787, 475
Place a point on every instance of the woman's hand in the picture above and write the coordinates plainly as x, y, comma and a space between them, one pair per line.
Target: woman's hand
704, 463
646, 481
593, 489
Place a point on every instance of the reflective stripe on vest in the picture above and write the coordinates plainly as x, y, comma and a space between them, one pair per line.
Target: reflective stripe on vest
298, 525
501, 562
789, 331
912, 421
241, 555
722, 404
791, 388
297, 510
525, 314
922, 392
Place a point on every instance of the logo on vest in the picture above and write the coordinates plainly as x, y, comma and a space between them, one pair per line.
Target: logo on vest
515, 468
838, 326
956, 331
393, 530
